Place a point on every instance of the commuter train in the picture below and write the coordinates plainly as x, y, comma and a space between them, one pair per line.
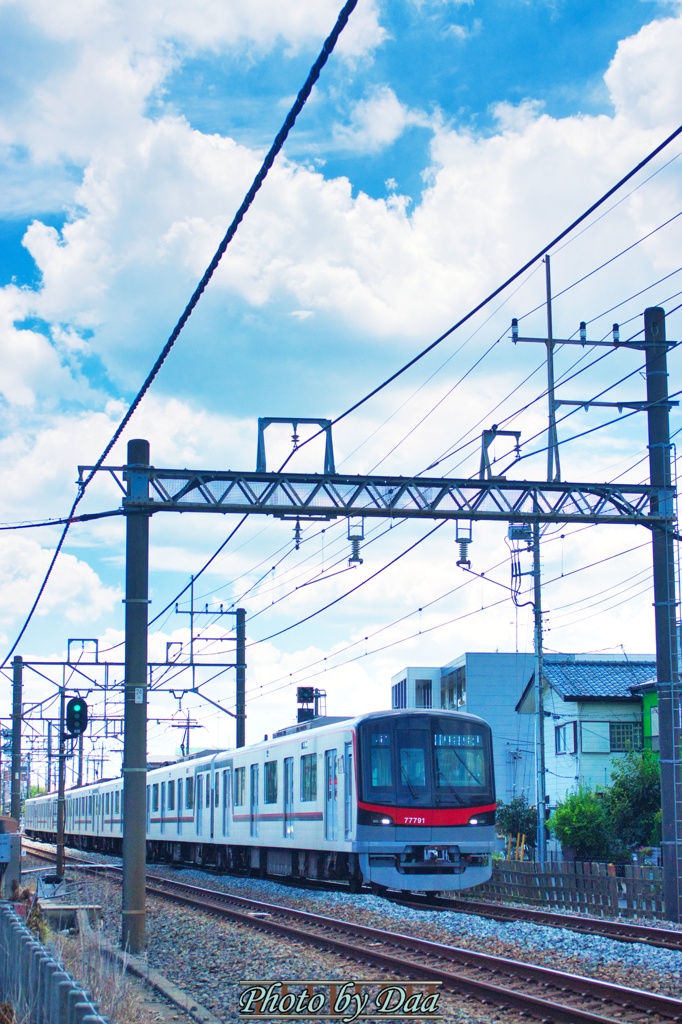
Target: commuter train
398, 799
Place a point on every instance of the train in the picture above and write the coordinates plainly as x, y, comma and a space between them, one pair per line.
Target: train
401, 799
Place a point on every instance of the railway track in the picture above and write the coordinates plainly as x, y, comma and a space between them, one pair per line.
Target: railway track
540, 992
622, 931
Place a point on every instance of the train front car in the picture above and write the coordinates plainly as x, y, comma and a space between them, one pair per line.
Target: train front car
426, 800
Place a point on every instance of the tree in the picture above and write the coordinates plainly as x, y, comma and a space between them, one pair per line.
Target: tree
633, 801
581, 823
517, 818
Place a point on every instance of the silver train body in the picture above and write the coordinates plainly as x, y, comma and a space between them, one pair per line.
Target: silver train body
398, 799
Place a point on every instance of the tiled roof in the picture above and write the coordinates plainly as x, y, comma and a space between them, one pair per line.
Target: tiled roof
595, 679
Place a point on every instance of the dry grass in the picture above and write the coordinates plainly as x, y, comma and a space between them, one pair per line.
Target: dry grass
85, 957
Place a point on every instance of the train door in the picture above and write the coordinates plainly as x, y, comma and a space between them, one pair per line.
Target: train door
254, 800
180, 795
199, 796
348, 791
214, 798
227, 793
288, 826
163, 807
330, 791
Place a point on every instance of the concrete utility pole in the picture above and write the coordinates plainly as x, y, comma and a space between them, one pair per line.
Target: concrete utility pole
135, 702
241, 677
553, 469
667, 672
15, 791
541, 846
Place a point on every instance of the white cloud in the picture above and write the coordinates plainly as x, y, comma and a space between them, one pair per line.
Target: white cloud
464, 32
75, 591
156, 214
377, 122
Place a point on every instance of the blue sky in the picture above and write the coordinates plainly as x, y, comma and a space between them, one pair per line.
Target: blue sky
444, 144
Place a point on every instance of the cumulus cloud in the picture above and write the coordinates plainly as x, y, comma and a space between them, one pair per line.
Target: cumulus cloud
377, 122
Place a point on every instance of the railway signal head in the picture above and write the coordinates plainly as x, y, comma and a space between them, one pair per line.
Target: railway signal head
305, 695
76, 716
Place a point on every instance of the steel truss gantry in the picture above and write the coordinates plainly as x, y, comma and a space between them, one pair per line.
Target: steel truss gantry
328, 496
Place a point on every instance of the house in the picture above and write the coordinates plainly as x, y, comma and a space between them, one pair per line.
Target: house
593, 714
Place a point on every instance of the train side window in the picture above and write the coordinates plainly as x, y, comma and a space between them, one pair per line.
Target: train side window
270, 782
216, 799
239, 786
309, 777
117, 801
155, 797
89, 806
189, 793
208, 790
171, 795
106, 804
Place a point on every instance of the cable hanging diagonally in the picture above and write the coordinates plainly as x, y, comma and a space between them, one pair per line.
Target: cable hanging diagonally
281, 137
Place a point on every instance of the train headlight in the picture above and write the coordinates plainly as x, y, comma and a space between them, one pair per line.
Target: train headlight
386, 821
473, 821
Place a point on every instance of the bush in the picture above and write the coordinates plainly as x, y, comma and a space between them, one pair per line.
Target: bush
581, 823
517, 818
633, 801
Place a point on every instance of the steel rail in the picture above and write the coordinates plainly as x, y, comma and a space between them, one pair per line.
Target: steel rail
620, 931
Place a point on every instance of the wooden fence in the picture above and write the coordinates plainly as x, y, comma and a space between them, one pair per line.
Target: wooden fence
601, 890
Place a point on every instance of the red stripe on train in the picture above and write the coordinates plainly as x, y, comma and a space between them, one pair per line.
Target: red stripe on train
428, 815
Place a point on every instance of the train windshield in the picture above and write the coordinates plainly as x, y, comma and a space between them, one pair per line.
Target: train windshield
426, 761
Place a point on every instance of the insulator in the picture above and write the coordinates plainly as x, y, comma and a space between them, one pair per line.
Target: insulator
297, 535
583, 331
616, 333
515, 330
294, 440
355, 551
463, 559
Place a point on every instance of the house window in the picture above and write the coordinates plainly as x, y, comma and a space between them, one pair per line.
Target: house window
625, 736
424, 693
270, 782
309, 777
655, 744
399, 694
565, 738
239, 786
594, 738
453, 689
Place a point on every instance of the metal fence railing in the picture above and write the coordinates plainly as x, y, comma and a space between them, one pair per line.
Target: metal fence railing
33, 983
